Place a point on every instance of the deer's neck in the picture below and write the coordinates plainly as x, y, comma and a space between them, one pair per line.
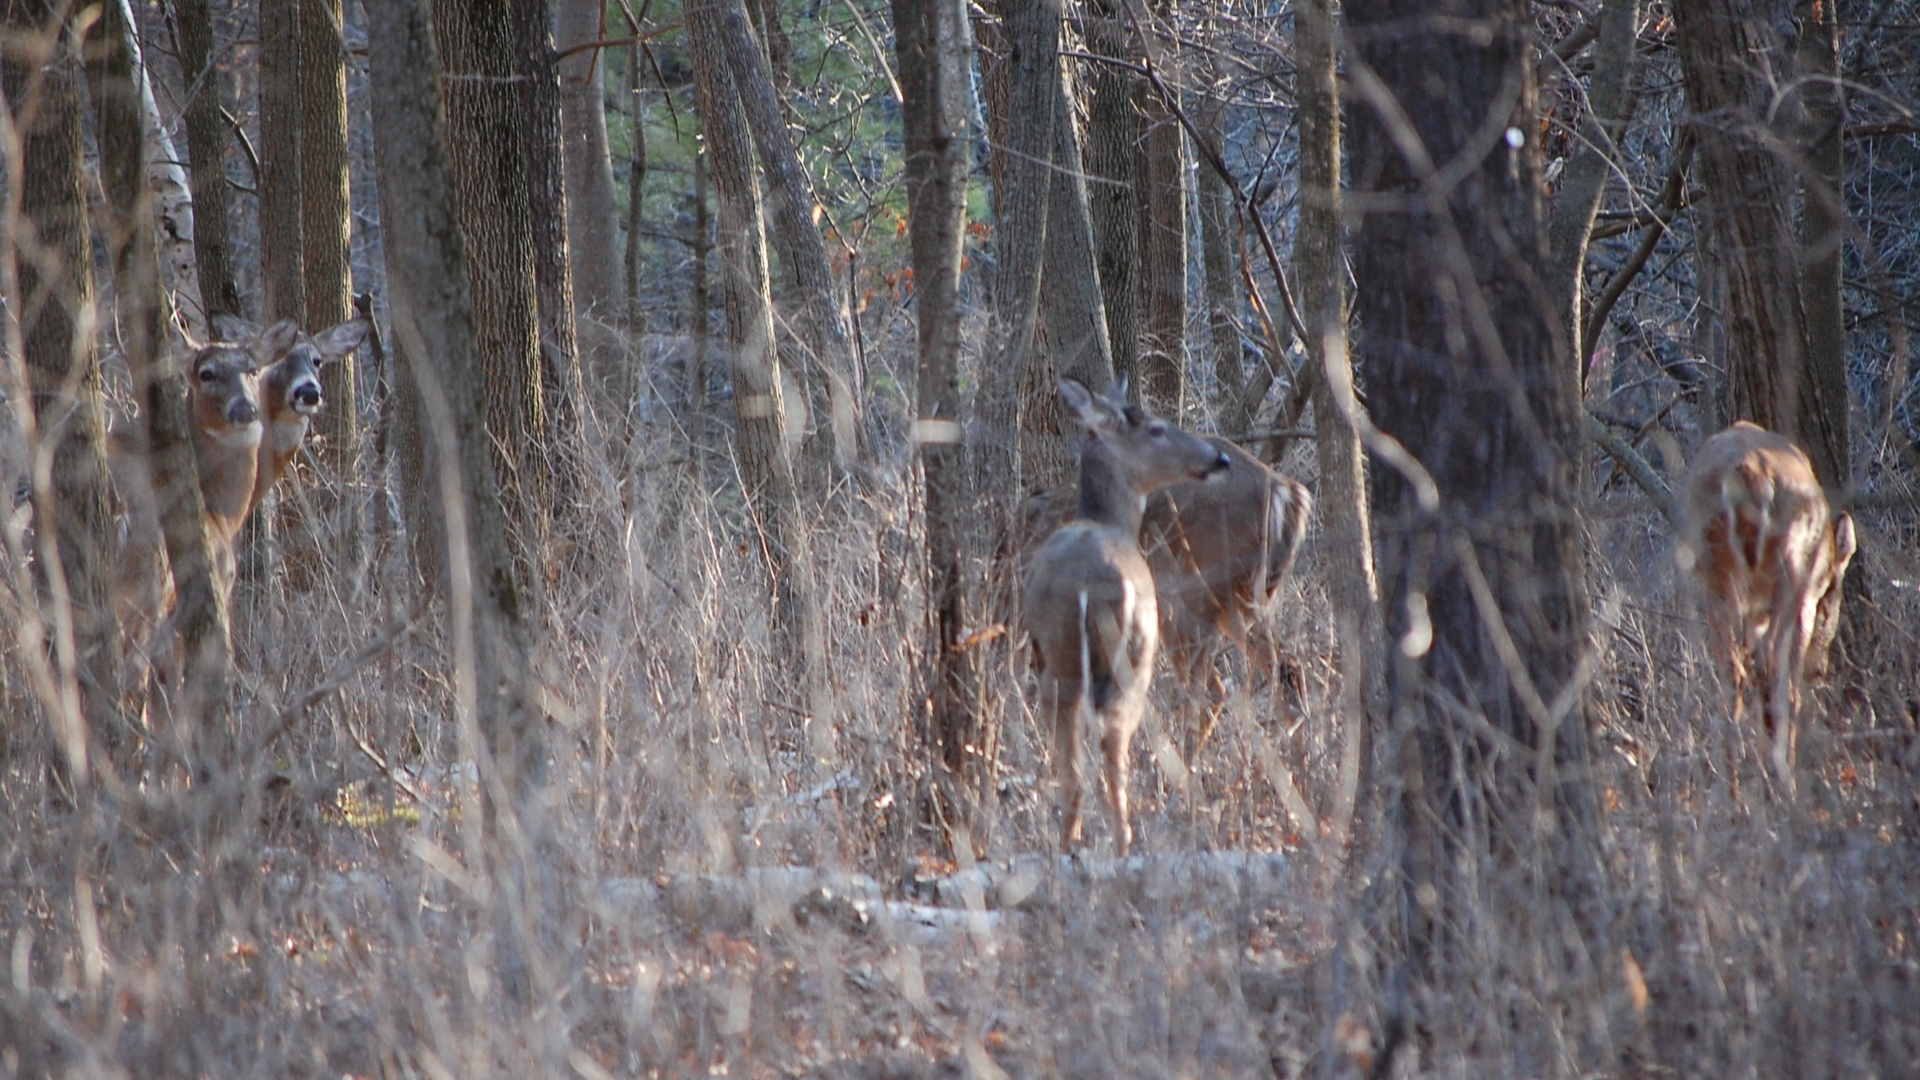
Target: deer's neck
1106, 497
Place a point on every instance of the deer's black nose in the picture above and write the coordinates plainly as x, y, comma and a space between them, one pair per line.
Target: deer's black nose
306, 397
242, 411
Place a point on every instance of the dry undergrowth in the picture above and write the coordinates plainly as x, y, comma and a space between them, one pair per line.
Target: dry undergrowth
353, 921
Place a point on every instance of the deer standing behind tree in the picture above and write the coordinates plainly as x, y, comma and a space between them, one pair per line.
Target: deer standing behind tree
1769, 557
1090, 604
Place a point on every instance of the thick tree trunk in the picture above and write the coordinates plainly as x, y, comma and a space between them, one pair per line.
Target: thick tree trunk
489, 171
1163, 244
1823, 226
1481, 560
1603, 122
1070, 306
931, 44
766, 461
1320, 272
434, 319
560, 380
1019, 86
593, 212
834, 382
282, 251
1219, 254
1114, 188
207, 134
73, 514
1748, 227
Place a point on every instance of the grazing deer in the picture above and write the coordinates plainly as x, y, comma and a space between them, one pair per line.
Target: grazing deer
1090, 607
1769, 558
1219, 550
290, 389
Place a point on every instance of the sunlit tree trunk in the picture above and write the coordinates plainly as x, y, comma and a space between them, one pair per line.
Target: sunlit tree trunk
1114, 188
1163, 236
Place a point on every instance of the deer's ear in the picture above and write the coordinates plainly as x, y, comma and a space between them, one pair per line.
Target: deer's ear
275, 340
231, 328
1096, 414
343, 339
1844, 545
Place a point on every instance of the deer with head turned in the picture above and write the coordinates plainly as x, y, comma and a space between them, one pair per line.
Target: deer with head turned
1091, 607
1769, 557
1219, 550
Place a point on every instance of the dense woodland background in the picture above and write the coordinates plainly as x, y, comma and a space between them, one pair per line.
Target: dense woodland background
628, 681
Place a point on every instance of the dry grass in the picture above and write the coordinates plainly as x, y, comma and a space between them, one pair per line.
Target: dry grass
352, 920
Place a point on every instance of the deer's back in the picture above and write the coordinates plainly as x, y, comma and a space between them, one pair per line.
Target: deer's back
1094, 577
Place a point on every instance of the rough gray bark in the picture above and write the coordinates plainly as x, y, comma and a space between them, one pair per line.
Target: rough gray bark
1481, 562
560, 379
1602, 123
486, 133
1320, 275
207, 135
593, 225
933, 62
1729, 57
73, 515
1823, 225
1219, 252
834, 380
1113, 191
765, 458
432, 307
1163, 239
282, 262
1020, 85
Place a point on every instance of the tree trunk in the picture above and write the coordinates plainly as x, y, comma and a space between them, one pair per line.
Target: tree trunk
75, 526
326, 300
1602, 124
434, 319
592, 210
1219, 254
199, 613
1320, 272
834, 384
1823, 225
489, 171
560, 382
931, 44
1020, 86
766, 461
636, 186
1163, 244
1113, 156
1481, 561
207, 133
282, 251
1748, 227
1070, 306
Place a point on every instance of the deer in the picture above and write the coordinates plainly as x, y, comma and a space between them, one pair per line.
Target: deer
250, 397
1769, 557
291, 393
1219, 550
1091, 607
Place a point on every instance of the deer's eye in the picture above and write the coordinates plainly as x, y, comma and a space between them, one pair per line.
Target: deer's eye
207, 374
1157, 430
